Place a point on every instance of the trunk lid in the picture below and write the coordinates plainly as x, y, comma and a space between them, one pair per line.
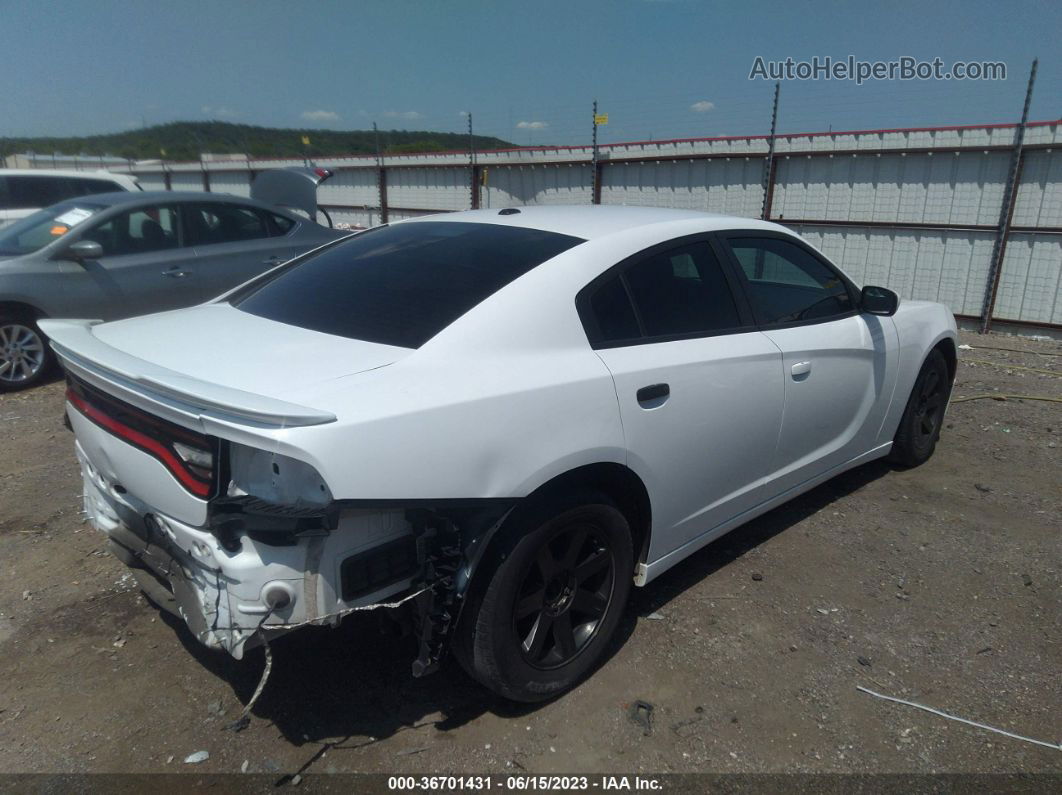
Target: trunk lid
221, 345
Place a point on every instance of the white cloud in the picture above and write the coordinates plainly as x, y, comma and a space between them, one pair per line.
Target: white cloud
402, 114
702, 107
320, 115
532, 125
220, 112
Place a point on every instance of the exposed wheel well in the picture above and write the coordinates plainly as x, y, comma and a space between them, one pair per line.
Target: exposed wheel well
20, 310
947, 347
617, 482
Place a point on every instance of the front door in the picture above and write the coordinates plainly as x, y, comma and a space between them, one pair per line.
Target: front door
144, 267
836, 365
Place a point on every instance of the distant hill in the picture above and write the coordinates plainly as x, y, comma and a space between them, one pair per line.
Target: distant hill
184, 140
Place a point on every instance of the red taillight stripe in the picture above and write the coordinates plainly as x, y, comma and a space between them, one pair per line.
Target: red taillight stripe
156, 448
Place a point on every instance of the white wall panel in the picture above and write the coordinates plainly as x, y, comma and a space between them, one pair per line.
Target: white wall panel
186, 180
1039, 201
156, 181
1030, 288
430, 188
238, 183
949, 266
941, 188
357, 187
509, 186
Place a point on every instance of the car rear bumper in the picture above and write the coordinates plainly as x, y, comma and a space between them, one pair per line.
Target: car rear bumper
234, 598
185, 570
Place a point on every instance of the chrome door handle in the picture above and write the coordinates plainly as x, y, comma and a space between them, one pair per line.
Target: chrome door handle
175, 274
274, 260
800, 368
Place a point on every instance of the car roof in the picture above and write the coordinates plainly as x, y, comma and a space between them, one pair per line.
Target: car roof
594, 221
60, 172
118, 198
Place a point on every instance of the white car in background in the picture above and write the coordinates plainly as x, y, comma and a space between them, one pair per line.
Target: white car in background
24, 191
504, 419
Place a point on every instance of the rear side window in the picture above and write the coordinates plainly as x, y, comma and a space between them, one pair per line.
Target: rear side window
613, 312
676, 293
787, 283
208, 224
30, 191
90, 186
281, 224
401, 285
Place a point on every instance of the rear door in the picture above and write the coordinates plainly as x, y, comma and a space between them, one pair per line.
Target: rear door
836, 365
700, 389
233, 243
144, 267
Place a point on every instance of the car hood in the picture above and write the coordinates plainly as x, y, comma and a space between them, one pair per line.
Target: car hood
222, 345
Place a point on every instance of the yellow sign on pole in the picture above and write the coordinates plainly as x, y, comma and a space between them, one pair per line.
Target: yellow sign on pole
601, 119
305, 140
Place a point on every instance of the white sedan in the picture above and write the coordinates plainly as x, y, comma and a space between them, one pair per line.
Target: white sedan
498, 420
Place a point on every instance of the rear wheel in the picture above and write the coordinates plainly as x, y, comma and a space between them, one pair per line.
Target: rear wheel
553, 604
25, 358
916, 438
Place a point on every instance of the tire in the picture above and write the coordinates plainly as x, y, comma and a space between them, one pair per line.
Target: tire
919, 430
553, 604
25, 358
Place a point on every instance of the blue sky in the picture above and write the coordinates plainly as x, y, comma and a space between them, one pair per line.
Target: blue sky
527, 70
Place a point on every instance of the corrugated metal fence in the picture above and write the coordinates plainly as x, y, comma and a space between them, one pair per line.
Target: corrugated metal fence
916, 210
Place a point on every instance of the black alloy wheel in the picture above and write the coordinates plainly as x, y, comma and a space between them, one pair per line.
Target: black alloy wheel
566, 591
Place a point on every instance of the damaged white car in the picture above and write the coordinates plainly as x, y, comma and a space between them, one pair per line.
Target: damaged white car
502, 420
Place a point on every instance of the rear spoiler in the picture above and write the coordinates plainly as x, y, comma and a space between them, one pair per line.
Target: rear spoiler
84, 353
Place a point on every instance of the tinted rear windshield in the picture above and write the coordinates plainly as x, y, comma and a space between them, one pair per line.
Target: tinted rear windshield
403, 284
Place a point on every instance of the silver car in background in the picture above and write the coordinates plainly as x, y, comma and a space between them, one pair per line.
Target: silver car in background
116, 255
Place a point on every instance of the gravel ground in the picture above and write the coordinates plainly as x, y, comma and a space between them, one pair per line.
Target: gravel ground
940, 585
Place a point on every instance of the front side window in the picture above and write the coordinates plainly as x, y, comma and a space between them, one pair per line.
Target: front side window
210, 223
403, 284
787, 283
675, 293
36, 231
138, 231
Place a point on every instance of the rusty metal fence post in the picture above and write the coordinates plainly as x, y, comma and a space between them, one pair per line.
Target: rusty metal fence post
1006, 212
768, 166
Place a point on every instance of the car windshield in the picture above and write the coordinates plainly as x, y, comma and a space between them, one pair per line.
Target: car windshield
403, 284
36, 231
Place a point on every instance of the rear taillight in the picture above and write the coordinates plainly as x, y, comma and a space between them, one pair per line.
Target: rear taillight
189, 456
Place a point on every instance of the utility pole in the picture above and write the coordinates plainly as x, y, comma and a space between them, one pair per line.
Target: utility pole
1006, 212
768, 166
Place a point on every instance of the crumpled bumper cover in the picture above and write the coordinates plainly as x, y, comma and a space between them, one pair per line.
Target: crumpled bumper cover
174, 564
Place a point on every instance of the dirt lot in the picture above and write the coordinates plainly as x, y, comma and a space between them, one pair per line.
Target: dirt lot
940, 585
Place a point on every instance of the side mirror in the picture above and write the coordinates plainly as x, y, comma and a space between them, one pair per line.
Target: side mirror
84, 249
878, 301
